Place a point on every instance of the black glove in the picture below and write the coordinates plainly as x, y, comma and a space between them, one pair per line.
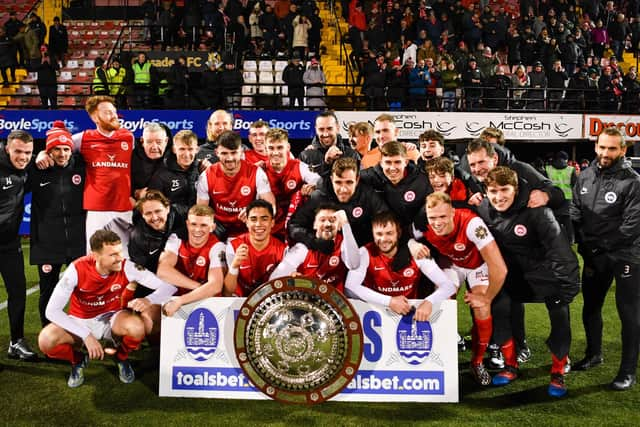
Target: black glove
322, 245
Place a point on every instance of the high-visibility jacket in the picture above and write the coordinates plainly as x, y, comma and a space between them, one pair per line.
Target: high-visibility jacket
561, 178
98, 85
142, 73
116, 79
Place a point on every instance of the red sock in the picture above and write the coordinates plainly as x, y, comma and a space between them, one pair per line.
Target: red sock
65, 352
127, 345
509, 352
557, 365
482, 330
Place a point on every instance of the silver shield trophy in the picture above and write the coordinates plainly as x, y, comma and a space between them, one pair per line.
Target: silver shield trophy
298, 340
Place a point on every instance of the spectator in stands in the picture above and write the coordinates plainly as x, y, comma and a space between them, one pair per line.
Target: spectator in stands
409, 50
178, 78
231, 81
599, 38
149, 16
433, 103
58, 42
537, 87
631, 97
47, 82
357, 17
168, 20
571, 55
143, 80
558, 77
28, 41
117, 76
419, 79
293, 76
519, 83
36, 24
610, 89
315, 80
498, 97
100, 85
191, 24
575, 99
473, 81
270, 29
618, 31
375, 82
300, 42
487, 63
530, 47
254, 23
397, 82
12, 28
450, 82
7, 57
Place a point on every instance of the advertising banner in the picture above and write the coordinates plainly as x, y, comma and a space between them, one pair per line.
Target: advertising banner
402, 361
163, 60
517, 126
594, 124
299, 124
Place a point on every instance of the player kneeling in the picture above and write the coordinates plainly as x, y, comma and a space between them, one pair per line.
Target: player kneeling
93, 287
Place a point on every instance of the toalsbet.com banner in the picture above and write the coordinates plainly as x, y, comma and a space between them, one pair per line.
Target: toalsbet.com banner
299, 124
391, 370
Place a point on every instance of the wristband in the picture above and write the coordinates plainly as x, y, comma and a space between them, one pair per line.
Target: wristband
234, 271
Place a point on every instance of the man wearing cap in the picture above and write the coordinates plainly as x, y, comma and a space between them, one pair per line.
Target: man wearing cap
292, 75
57, 216
15, 157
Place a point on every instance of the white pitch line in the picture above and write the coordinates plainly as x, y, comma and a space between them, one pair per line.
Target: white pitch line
3, 305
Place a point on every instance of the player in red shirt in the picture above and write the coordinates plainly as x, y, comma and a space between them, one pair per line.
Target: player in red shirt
93, 286
193, 265
330, 268
286, 176
230, 185
253, 255
107, 153
471, 254
257, 155
383, 278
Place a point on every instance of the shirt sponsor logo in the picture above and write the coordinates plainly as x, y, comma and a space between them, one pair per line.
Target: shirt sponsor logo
44, 184
409, 196
357, 212
610, 197
520, 230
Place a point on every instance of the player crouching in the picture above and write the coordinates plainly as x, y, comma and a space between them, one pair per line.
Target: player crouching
93, 287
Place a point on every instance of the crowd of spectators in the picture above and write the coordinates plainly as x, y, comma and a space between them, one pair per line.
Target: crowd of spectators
448, 55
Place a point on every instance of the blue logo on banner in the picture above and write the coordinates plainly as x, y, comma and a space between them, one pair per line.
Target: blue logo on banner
201, 334
414, 339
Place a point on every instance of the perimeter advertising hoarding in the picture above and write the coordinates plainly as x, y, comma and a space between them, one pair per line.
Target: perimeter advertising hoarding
299, 124
594, 124
517, 126
403, 361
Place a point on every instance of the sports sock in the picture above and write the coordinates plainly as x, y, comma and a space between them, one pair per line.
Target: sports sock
127, 345
557, 365
509, 352
481, 333
65, 352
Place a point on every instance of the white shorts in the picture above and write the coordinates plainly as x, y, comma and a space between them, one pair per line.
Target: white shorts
474, 277
100, 326
115, 221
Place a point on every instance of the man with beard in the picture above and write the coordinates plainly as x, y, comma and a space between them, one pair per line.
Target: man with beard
472, 255
606, 215
327, 146
330, 225
57, 218
107, 152
92, 286
177, 177
15, 157
389, 276
542, 267
194, 265
219, 121
344, 189
289, 179
230, 185
253, 256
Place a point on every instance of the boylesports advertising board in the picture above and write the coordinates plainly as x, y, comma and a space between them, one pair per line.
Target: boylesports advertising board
402, 361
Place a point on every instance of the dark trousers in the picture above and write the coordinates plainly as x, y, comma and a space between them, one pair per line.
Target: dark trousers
48, 283
12, 271
597, 277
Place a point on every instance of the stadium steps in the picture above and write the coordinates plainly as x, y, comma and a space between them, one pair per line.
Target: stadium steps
334, 71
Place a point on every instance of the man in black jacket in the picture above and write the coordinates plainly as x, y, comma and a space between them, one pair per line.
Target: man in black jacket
292, 76
219, 121
327, 146
606, 214
344, 188
15, 157
542, 265
57, 218
148, 157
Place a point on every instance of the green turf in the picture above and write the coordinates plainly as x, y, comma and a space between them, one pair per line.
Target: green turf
37, 394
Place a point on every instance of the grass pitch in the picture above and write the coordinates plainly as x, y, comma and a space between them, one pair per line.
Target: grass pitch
34, 394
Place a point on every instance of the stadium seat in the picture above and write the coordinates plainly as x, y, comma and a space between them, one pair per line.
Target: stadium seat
72, 63
250, 65
279, 65
265, 65
266, 83
248, 90
250, 77
88, 63
246, 101
65, 76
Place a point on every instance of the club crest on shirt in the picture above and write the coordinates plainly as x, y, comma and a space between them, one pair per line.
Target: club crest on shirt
413, 339
245, 190
201, 334
481, 232
408, 272
124, 145
46, 268
333, 261
200, 261
76, 179
409, 196
459, 247
116, 287
357, 212
610, 197
520, 230
291, 184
